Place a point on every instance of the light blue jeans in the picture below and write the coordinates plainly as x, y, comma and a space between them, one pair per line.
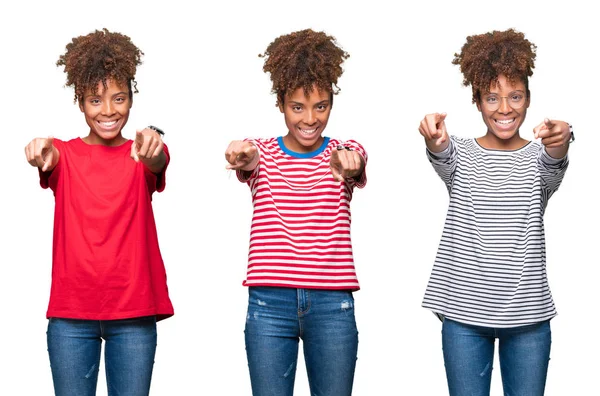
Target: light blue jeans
324, 319
74, 349
469, 356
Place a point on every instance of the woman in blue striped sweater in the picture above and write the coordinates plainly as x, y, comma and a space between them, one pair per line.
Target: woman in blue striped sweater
489, 277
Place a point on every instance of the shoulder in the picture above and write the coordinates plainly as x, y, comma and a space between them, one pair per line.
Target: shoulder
462, 141
263, 142
534, 147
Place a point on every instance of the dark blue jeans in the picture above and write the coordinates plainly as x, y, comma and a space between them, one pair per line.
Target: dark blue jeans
324, 319
469, 356
74, 349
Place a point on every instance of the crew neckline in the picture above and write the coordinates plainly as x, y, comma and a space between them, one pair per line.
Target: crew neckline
310, 154
501, 151
120, 146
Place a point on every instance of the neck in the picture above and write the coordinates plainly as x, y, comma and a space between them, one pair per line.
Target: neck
492, 142
94, 139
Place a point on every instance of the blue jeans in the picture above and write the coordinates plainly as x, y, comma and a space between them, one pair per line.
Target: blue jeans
74, 349
469, 356
324, 319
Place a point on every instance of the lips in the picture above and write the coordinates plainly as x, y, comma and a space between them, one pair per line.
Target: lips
107, 125
505, 124
308, 133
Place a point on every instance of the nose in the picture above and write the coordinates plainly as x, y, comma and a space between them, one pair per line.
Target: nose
504, 105
310, 117
108, 108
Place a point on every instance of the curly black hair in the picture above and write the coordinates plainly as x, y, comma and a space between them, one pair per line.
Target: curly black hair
98, 57
303, 59
485, 56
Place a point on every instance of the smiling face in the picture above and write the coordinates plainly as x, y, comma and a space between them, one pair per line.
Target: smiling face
106, 113
306, 118
503, 110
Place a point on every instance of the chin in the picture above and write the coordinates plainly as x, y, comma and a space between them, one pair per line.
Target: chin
109, 136
506, 135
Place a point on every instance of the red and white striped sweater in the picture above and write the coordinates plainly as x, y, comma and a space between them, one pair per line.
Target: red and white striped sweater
300, 235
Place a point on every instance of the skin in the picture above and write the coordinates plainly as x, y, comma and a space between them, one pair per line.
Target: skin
106, 113
503, 123
306, 117
555, 134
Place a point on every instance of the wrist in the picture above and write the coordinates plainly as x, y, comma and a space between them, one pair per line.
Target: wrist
572, 138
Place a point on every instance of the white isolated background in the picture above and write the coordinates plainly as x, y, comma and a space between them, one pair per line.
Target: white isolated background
202, 82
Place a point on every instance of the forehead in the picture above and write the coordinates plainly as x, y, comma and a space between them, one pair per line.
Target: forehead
314, 96
112, 87
505, 86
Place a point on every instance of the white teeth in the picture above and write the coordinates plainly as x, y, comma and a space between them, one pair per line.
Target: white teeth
308, 131
505, 122
108, 123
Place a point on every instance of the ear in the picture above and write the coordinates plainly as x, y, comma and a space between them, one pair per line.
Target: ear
81, 105
280, 105
478, 106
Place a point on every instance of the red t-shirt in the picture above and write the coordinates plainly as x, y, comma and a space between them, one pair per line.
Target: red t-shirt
106, 263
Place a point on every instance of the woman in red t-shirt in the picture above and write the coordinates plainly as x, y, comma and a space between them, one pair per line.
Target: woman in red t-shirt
108, 277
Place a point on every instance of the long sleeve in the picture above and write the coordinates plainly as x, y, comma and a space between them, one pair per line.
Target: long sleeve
444, 163
552, 171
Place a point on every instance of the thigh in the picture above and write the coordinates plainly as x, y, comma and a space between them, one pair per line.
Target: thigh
468, 357
74, 351
129, 355
272, 336
330, 339
524, 358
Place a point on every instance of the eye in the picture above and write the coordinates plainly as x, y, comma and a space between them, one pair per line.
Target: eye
322, 107
517, 97
120, 100
297, 108
95, 102
491, 99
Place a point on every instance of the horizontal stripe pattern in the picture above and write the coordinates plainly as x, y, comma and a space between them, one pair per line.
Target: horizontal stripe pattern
300, 234
490, 268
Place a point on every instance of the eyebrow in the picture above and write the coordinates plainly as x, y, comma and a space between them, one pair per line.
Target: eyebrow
98, 96
497, 93
302, 104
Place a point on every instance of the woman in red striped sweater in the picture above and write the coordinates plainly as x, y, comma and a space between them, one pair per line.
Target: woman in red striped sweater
300, 266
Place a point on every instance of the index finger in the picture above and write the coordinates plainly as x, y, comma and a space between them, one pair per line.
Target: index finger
139, 137
432, 122
549, 123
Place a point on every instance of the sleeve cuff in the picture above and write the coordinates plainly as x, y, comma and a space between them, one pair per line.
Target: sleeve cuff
444, 154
